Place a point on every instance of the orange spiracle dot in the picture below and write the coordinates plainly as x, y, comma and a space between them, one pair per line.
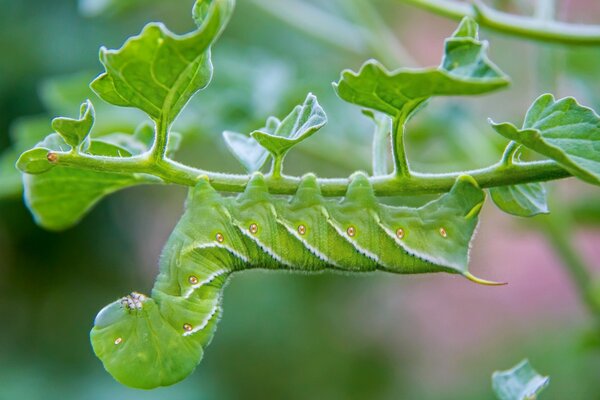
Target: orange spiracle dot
253, 229
220, 238
301, 229
187, 327
193, 280
351, 231
443, 232
400, 233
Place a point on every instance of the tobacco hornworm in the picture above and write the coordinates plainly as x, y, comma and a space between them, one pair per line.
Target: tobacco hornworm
146, 342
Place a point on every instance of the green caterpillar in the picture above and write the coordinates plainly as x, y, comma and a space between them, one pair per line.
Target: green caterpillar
146, 342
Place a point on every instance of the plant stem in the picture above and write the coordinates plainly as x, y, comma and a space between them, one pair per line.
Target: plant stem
525, 27
277, 170
509, 153
398, 150
161, 136
172, 172
381, 141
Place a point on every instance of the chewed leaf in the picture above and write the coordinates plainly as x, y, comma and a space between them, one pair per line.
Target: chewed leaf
158, 71
465, 70
298, 126
247, 150
562, 130
525, 200
75, 131
58, 198
519, 383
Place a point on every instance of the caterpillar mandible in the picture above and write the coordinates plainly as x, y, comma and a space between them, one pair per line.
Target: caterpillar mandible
146, 342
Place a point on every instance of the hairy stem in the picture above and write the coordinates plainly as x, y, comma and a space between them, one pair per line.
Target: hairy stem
525, 27
381, 140
161, 137
509, 153
398, 150
277, 170
172, 172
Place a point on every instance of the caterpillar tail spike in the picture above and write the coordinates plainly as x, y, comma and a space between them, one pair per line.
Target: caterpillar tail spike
480, 281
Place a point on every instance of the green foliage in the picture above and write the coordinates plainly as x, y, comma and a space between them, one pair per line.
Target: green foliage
524, 200
562, 130
465, 70
158, 71
149, 342
25, 133
521, 382
60, 197
75, 131
277, 137
35, 161
247, 150
298, 126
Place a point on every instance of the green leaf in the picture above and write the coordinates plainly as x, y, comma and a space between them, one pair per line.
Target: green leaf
525, 200
34, 161
247, 150
562, 130
25, 133
75, 131
158, 71
465, 70
298, 126
519, 383
60, 197
125, 145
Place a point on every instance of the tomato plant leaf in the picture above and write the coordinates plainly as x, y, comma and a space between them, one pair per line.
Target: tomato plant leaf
25, 133
246, 150
525, 200
59, 197
562, 130
136, 144
465, 70
75, 131
299, 125
34, 161
158, 71
519, 383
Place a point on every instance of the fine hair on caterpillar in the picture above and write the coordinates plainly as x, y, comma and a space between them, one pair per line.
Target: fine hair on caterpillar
147, 342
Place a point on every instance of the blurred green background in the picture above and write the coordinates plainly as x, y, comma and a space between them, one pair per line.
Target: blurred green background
287, 336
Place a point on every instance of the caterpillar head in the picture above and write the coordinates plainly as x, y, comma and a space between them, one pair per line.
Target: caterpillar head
138, 347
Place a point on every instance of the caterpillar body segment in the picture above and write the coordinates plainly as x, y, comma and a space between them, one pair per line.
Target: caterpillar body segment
150, 342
